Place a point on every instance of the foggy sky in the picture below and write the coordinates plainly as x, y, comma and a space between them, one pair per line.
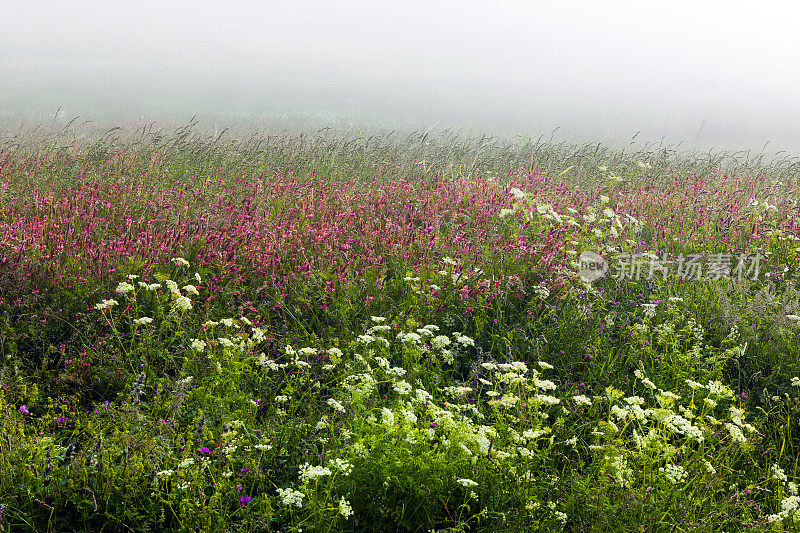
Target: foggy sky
702, 72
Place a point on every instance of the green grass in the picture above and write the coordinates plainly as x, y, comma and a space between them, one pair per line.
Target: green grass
478, 392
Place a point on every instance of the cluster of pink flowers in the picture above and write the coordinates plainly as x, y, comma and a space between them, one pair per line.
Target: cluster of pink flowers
285, 227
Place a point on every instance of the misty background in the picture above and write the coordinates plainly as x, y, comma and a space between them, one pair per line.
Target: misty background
691, 74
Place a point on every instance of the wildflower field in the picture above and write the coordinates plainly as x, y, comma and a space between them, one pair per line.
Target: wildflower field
340, 332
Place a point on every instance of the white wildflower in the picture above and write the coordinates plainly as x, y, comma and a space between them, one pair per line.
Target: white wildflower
309, 472
694, 384
396, 371
465, 341
124, 287
581, 400
191, 289
335, 405
516, 193
343, 466
674, 473
226, 342
366, 339
291, 497
402, 387
106, 304
335, 352
736, 433
387, 417
778, 472
440, 341
172, 286
344, 508
183, 303
409, 417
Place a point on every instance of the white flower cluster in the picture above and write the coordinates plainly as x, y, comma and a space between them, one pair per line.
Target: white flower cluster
343, 466
580, 399
291, 497
309, 472
736, 433
409, 338
620, 470
387, 417
124, 287
788, 508
344, 508
172, 286
645, 381
715, 388
366, 340
674, 473
465, 341
106, 304
778, 472
516, 193
440, 341
335, 352
331, 402
225, 342
182, 303
191, 289
402, 387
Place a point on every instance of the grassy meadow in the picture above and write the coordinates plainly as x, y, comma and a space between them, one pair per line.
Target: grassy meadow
339, 331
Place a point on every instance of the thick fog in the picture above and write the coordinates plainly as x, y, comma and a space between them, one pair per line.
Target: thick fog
705, 74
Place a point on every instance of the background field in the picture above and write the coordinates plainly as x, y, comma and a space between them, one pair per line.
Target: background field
271, 329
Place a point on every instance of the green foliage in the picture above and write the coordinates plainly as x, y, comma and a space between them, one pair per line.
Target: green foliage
451, 394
